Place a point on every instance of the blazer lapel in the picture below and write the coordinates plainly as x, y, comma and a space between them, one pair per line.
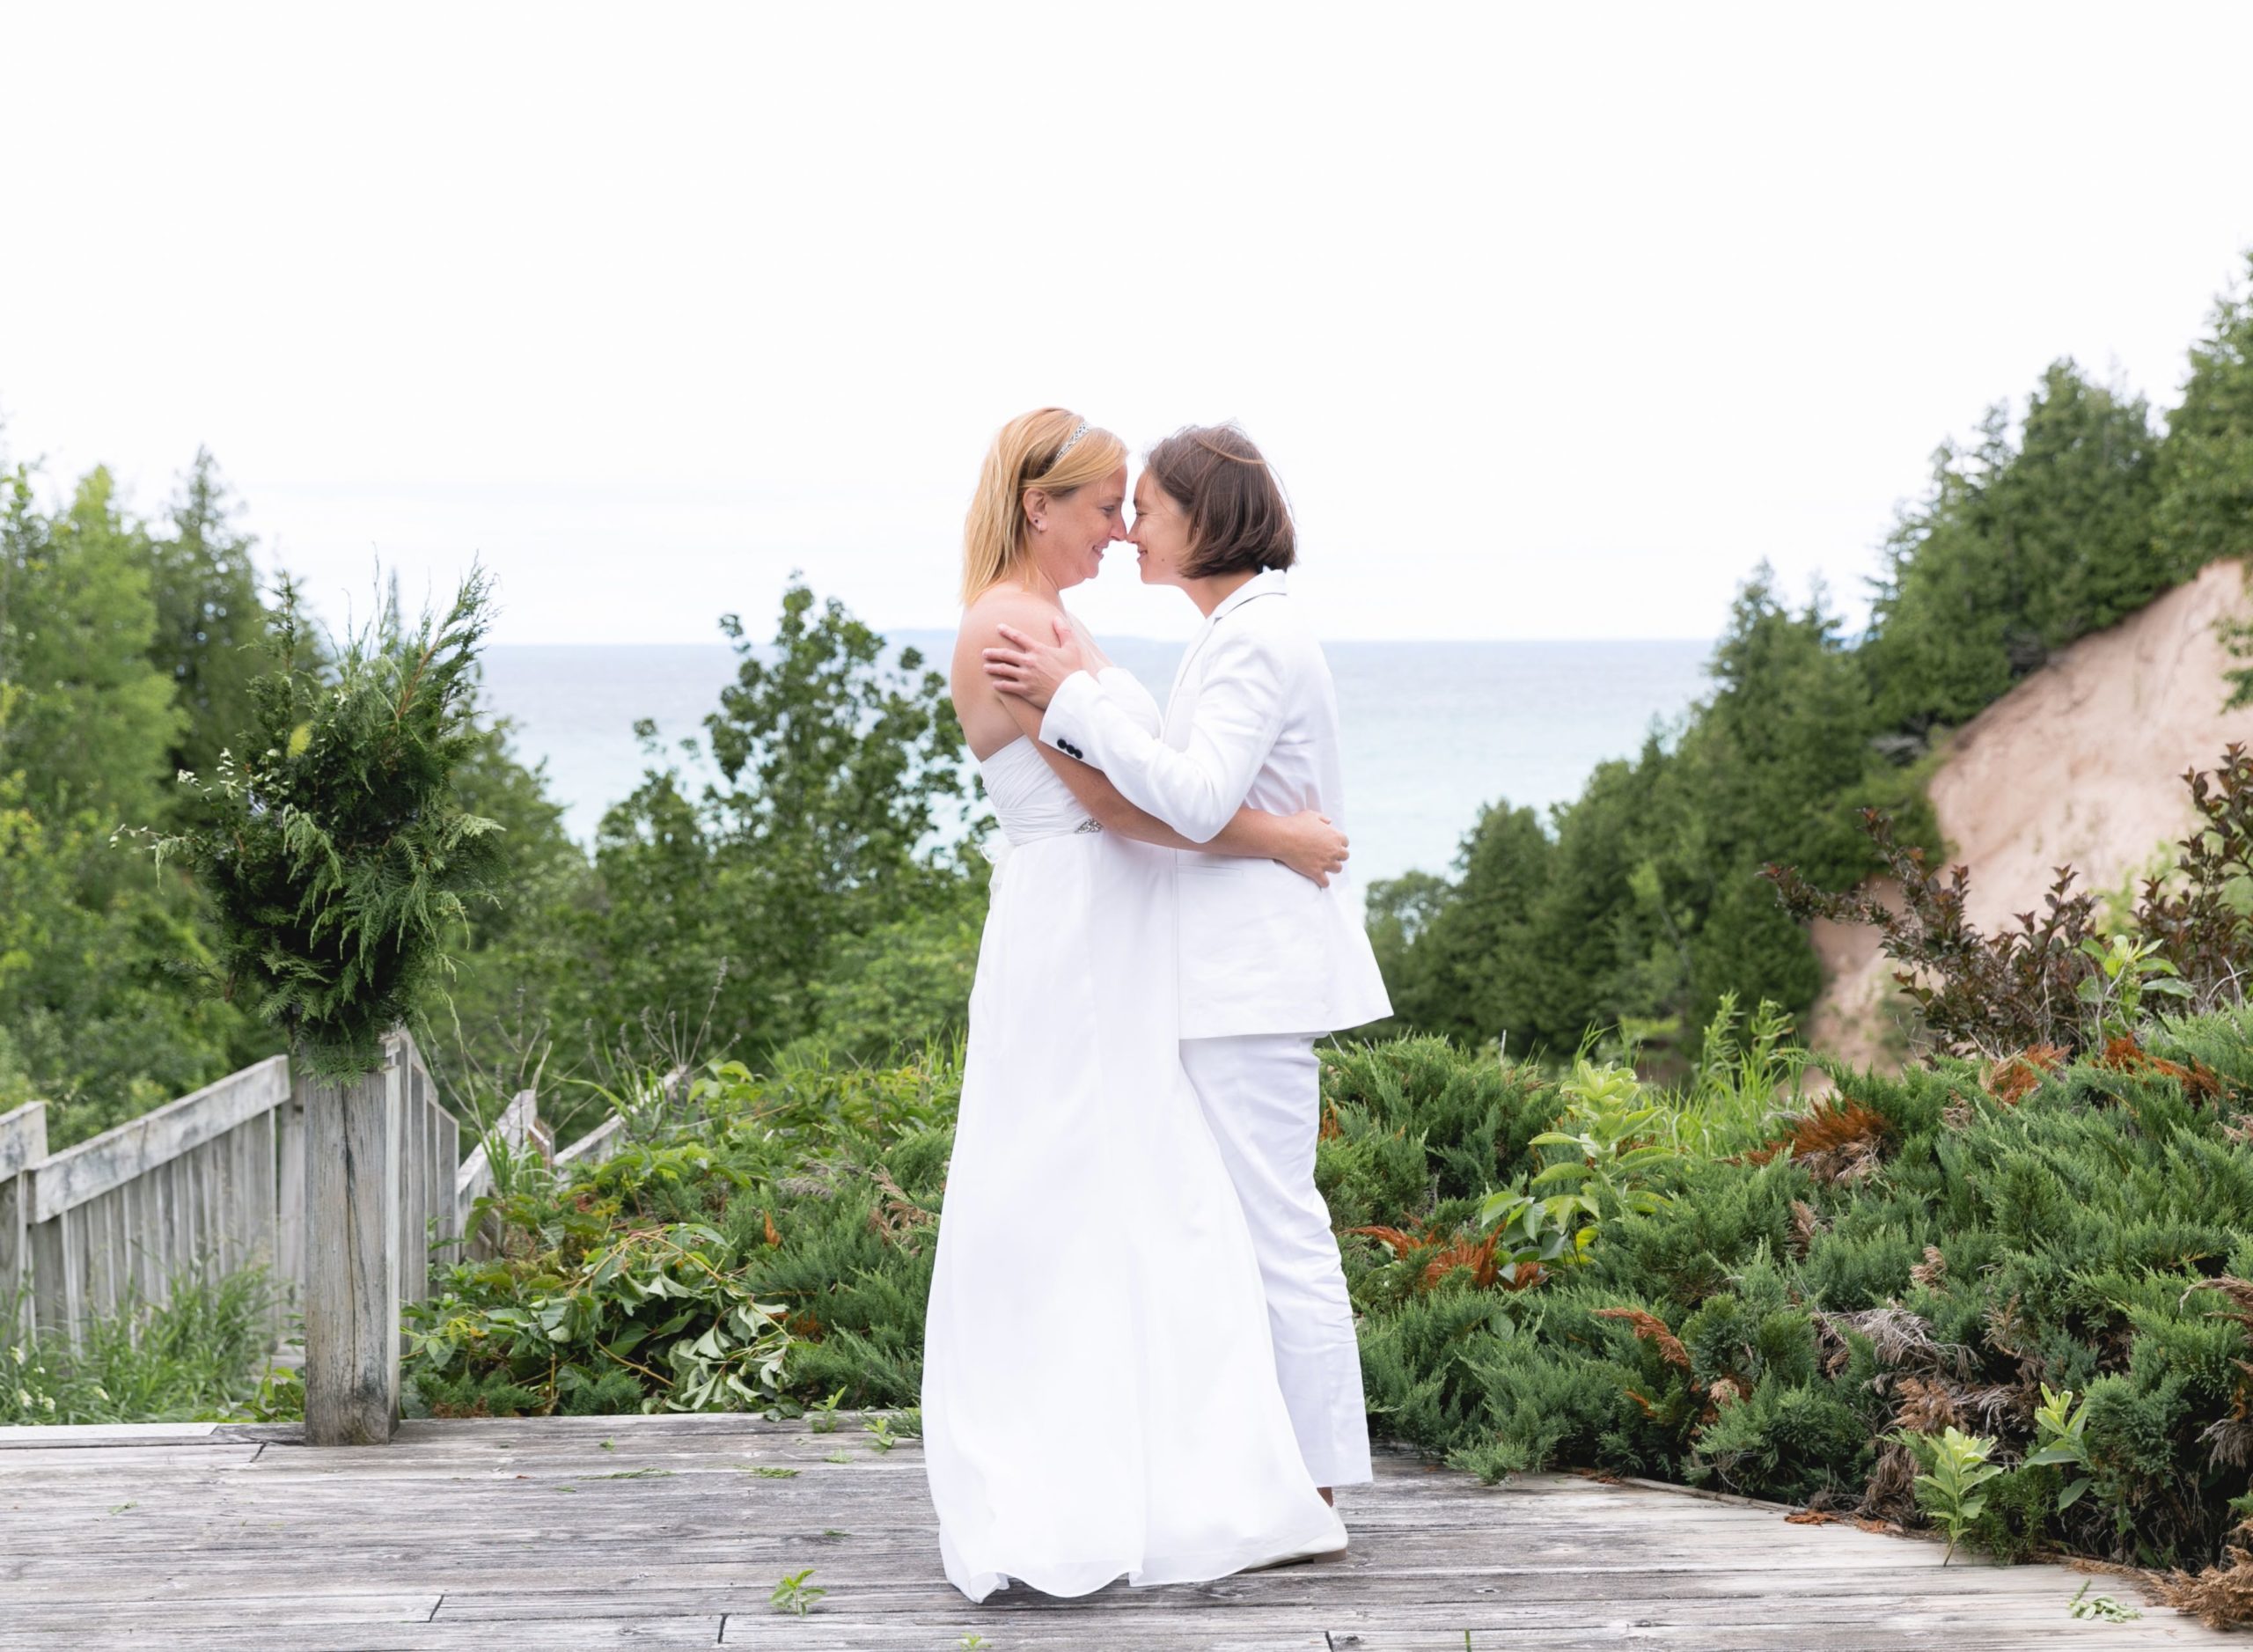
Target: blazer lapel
1266, 583
1185, 673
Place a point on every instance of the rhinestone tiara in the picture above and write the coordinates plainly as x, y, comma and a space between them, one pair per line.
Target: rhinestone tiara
1070, 441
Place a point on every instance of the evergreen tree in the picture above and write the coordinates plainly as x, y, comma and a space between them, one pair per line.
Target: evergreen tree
1609, 949
2206, 466
212, 632
1766, 765
2021, 546
2073, 507
1475, 974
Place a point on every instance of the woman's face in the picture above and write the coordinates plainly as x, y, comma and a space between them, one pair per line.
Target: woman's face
1074, 532
1161, 533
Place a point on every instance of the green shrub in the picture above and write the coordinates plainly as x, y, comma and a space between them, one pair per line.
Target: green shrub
762, 1243
1913, 1253
1778, 1320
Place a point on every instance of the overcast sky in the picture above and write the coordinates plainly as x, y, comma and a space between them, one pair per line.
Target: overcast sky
1553, 322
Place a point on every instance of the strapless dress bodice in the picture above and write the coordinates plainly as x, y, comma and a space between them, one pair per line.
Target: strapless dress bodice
1029, 798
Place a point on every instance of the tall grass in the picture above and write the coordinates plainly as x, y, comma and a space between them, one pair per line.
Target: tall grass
198, 1356
1749, 1076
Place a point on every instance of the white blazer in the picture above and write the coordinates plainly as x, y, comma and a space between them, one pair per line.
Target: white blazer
1253, 720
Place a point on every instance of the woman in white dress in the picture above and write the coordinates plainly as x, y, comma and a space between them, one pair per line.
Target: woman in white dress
1099, 1394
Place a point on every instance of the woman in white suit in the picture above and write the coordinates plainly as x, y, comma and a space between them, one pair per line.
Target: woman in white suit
1269, 962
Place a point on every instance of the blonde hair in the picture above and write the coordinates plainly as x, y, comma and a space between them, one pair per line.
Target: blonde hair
1024, 455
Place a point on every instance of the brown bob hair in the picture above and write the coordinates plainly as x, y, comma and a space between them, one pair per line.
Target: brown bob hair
1239, 521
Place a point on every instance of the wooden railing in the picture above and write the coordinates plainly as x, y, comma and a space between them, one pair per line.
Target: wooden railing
208, 1184
344, 1194
517, 1127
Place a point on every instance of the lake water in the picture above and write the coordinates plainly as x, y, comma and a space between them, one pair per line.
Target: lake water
1432, 730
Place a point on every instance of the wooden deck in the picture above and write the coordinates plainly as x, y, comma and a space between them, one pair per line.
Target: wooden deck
663, 1532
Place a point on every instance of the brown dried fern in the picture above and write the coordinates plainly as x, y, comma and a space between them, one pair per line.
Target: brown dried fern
2221, 1597
1840, 1141
2013, 1081
896, 1218
1805, 1225
1650, 1328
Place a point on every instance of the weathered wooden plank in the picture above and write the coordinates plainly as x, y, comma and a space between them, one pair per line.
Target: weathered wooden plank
562, 1637
253, 1192
129, 1257
474, 1179
375, 1607
825, 1633
265, 1173
352, 1323
437, 1183
640, 1581
290, 1195
94, 1435
521, 1536
212, 1257
98, 1233
143, 1277
516, 1574
122, 1459
55, 1304
217, 1242
408, 1235
178, 1180
94, 1166
449, 1163
23, 1138
598, 1146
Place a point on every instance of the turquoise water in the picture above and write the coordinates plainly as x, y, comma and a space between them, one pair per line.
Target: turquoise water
1433, 730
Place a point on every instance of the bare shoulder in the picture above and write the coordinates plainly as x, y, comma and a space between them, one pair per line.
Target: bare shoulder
1007, 605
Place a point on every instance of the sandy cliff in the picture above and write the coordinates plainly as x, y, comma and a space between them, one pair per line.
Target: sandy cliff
2080, 765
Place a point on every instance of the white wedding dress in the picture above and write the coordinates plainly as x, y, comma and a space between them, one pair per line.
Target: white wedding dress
1100, 1393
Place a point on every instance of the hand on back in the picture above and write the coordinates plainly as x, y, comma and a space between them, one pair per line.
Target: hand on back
1033, 669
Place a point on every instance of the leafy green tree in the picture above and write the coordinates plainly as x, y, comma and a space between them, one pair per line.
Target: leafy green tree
96, 1020
834, 769
1398, 910
516, 964
94, 720
2205, 464
903, 986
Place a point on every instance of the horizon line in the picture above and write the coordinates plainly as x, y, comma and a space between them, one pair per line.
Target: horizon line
924, 630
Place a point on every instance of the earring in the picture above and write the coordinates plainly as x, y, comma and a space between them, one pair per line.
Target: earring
1039, 526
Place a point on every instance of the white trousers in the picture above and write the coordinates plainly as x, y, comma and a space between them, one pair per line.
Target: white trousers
1262, 1094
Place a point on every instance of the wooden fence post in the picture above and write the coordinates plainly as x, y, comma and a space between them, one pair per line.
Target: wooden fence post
23, 1143
351, 1306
